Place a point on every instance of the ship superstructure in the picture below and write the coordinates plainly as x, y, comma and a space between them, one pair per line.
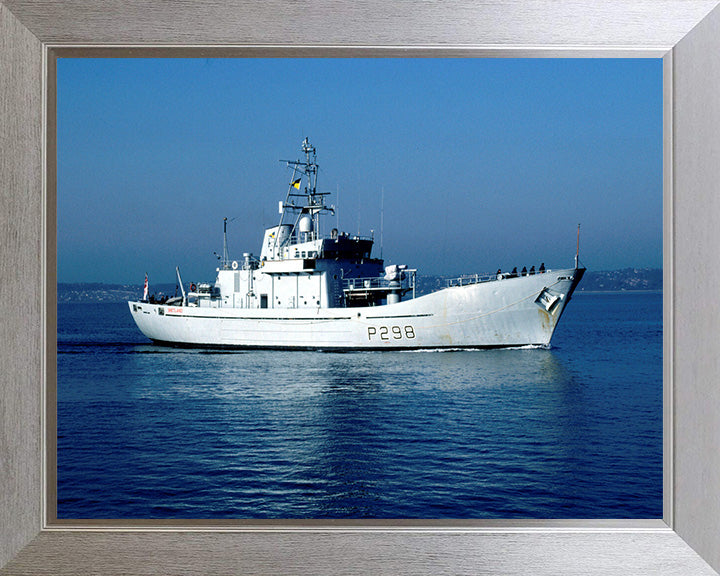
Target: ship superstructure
309, 290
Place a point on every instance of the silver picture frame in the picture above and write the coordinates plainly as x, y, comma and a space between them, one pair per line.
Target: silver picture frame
684, 33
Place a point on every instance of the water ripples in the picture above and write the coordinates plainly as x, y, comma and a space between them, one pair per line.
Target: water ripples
573, 431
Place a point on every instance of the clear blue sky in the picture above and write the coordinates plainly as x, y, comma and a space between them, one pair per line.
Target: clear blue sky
485, 163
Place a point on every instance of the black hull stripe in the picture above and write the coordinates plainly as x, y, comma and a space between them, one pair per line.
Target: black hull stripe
254, 317
337, 348
399, 316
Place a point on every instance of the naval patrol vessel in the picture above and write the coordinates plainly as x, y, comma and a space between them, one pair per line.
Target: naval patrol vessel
311, 291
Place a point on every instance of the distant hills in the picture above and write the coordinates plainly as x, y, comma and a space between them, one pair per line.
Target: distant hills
99, 292
627, 279
621, 280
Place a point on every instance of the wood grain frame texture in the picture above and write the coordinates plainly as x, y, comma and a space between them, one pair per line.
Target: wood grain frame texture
685, 33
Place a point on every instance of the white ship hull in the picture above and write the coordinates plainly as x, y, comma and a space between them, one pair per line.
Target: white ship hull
500, 313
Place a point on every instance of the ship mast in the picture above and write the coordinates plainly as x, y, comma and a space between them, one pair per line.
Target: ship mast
226, 255
577, 249
225, 258
313, 202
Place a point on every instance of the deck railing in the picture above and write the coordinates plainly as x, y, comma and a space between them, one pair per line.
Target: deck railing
368, 283
376, 282
408, 282
477, 278
470, 279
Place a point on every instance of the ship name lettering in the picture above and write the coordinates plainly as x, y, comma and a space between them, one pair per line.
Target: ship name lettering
391, 332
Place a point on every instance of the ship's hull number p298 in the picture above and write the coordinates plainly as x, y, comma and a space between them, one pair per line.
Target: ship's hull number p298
390, 332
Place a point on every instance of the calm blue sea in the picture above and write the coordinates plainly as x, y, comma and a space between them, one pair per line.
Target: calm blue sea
574, 431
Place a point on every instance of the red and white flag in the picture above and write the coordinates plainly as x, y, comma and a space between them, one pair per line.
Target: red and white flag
145, 289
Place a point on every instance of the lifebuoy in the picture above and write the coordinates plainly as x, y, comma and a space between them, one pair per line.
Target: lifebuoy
192, 287
234, 264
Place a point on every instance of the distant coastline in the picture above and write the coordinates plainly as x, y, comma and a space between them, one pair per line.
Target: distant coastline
624, 280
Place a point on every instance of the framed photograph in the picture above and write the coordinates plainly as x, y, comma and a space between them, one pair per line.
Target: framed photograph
457, 392
684, 536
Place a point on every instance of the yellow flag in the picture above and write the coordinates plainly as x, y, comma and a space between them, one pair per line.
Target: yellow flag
296, 183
